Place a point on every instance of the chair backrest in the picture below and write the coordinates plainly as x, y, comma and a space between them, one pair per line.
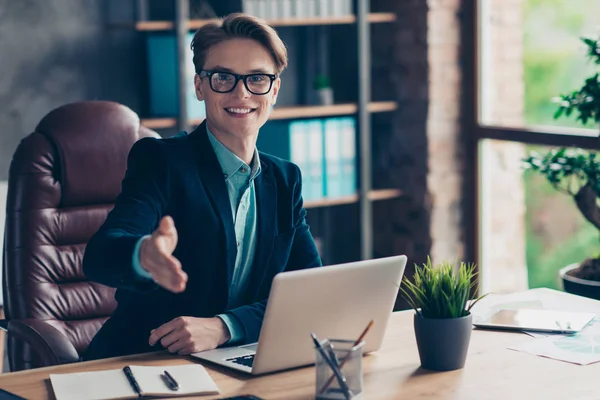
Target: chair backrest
63, 180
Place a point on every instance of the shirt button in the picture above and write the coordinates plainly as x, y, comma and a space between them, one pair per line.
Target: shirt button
238, 244
225, 176
244, 170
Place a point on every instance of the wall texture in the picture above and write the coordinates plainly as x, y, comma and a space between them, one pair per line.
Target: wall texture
54, 52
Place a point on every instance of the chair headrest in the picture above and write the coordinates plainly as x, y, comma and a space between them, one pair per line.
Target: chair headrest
93, 140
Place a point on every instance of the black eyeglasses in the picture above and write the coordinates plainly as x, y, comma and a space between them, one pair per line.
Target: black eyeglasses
225, 82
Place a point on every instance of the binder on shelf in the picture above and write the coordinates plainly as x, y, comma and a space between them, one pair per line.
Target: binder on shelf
333, 163
348, 155
316, 171
163, 84
300, 142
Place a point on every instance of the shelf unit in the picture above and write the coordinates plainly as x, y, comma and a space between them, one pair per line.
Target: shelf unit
363, 108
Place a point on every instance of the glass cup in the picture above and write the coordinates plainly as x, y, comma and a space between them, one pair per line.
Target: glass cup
348, 358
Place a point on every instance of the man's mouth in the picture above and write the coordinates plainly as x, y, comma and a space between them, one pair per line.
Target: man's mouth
240, 111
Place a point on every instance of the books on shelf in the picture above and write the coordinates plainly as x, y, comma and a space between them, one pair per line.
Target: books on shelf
289, 9
324, 149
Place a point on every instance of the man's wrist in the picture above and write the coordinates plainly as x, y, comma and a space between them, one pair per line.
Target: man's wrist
225, 333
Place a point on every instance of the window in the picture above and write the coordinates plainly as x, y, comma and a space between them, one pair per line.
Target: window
529, 229
528, 52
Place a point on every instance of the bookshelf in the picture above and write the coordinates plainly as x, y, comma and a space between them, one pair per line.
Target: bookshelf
360, 105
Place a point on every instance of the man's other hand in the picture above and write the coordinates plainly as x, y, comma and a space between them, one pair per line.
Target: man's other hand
156, 257
187, 335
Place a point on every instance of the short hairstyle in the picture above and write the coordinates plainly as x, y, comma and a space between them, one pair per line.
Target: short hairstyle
238, 26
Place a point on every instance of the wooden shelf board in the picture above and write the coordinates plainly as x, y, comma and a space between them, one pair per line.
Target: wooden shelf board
374, 195
382, 106
313, 111
288, 113
197, 23
384, 194
159, 123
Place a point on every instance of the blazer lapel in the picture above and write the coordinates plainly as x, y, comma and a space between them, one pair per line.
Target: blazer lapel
266, 199
214, 183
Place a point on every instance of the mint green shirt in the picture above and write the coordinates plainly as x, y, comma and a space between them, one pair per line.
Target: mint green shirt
239, 179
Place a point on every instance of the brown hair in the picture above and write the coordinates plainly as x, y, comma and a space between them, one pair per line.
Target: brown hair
241, 26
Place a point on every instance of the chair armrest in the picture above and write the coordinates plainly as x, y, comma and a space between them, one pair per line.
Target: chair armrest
50, 344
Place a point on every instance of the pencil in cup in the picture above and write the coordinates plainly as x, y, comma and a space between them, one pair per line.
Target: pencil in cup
348, 356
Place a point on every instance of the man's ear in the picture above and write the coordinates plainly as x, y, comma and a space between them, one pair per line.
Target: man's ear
275, 90
198, 86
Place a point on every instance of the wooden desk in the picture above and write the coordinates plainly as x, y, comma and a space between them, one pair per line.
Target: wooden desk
491, 372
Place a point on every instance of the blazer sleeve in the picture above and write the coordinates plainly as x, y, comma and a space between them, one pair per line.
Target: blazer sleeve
137, 211
303, 254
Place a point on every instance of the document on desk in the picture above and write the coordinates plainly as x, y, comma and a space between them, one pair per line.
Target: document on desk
582, 348
149, 381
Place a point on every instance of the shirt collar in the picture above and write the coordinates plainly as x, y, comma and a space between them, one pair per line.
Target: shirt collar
231, 163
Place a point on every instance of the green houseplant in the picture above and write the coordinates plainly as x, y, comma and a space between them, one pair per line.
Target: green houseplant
440, 295
324, 90
576, 173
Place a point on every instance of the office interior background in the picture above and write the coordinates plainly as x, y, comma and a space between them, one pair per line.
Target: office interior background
435, 105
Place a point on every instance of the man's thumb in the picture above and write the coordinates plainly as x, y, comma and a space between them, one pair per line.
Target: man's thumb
166, 226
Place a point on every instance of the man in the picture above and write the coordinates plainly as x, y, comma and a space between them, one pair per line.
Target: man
204, 222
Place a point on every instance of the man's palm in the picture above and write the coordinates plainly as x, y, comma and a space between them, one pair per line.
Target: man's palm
156, 257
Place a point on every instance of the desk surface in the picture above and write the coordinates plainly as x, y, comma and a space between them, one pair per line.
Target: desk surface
491, 371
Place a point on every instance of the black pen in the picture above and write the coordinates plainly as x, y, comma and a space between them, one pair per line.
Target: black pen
171, 382
336, 371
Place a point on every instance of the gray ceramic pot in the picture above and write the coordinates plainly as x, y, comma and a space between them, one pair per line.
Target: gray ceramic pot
578, 286
443, 342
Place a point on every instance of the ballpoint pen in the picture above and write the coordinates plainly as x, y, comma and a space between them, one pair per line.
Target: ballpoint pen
336, 371
171, 382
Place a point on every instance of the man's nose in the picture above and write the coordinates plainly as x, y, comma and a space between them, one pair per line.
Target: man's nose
240, 90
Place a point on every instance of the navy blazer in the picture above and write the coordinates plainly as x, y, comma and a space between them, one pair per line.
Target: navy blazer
182, 177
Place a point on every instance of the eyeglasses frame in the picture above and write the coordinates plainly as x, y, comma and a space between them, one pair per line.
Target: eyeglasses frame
238, 77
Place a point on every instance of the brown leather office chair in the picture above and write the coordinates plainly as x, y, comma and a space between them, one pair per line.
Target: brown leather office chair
63, 181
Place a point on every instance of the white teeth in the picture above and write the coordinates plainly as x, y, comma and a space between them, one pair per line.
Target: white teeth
239, 110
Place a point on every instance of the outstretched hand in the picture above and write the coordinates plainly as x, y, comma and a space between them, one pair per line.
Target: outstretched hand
156, 257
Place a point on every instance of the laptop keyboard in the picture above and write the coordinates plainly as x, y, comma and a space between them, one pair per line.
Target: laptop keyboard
244, 360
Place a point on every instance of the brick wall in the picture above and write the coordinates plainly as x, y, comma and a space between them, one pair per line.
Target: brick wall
444, 130
400, 141
424, 154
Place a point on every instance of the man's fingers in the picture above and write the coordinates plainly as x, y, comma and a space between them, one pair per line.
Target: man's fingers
176, 336
168, 274
161, 331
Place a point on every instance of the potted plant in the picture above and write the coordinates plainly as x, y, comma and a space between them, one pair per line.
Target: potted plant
324, 90
577, 174
443, 322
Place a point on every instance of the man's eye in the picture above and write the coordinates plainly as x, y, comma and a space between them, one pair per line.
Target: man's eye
258, 78
224, 77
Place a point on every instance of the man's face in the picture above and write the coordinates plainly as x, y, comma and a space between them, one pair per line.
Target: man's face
239, 112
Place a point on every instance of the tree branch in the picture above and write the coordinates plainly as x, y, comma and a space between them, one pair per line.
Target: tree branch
586, 202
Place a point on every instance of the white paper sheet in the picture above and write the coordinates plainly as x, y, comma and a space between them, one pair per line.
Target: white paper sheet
582, 348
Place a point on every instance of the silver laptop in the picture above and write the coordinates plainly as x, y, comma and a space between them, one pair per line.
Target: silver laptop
334, 302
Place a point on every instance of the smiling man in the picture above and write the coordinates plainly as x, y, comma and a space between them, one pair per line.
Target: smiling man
204, 221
